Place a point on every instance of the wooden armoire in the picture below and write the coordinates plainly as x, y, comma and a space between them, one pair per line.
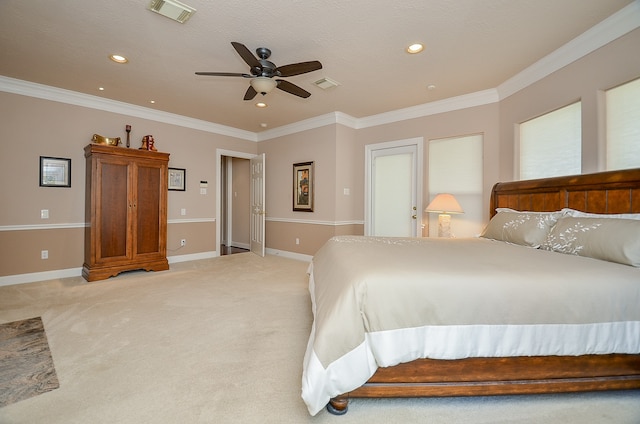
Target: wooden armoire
126, 211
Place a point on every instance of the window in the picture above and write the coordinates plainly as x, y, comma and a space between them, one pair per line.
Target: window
551, 145
455, 167
623, 126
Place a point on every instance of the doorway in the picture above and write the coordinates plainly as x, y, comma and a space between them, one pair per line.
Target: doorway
393, 188
233, 191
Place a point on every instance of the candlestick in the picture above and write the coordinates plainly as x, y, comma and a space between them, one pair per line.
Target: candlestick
128, 129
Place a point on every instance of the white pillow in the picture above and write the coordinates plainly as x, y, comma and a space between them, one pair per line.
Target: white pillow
520, 227
580, 214
613, 240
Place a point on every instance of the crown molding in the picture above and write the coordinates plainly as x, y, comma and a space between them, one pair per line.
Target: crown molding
615, 26
41, 91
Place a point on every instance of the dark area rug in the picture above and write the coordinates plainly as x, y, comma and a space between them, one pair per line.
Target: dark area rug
26, 366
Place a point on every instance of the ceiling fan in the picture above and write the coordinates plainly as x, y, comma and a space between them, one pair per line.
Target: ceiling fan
264, 73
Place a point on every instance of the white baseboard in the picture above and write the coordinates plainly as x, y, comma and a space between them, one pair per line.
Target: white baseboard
33, 277
290, 255
192, 257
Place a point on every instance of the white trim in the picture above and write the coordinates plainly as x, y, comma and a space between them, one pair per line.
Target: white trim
314, 222
40, 91
24, 227
290, 255
192, 257
33, 277
190, 220
43, 226
615, 26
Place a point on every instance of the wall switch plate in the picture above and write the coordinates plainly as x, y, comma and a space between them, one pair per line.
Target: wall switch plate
44, 214
203, 191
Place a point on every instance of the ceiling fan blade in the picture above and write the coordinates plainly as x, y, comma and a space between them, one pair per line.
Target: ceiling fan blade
246, 55
299, 68
225, 74
250, 94
292, 89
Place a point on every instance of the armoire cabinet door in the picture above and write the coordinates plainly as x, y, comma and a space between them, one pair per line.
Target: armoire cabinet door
150, 193
112, 210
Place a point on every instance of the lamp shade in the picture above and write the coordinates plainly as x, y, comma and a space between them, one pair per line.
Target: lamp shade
263, 84
444, 203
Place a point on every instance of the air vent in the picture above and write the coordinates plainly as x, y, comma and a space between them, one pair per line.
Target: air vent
172, 9
326, 83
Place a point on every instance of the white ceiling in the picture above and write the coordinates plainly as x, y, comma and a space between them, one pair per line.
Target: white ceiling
471, 45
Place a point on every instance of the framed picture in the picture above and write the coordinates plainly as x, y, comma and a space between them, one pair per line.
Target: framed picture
177, 179
303, 186
55, 172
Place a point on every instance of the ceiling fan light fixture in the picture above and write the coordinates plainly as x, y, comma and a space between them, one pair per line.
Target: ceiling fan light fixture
263, 85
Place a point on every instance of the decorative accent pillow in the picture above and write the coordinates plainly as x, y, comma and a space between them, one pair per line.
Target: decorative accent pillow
520, 227
613, 240
580, 214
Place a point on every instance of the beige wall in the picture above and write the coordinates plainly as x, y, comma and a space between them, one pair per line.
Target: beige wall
33, 127
610, 66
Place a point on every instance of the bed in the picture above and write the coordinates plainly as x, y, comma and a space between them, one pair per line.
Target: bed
545, 301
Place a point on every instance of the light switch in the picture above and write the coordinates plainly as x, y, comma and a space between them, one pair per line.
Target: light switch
44, 214
203, 191
346, 191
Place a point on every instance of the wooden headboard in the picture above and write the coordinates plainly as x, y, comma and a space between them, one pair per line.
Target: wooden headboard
601, 192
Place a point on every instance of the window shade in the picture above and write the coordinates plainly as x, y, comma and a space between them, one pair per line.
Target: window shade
623, 126
551, 145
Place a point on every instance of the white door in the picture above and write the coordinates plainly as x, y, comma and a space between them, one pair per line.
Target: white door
257, 204
394, 185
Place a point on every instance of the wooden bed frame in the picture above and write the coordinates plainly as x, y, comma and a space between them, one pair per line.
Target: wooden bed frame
604, 192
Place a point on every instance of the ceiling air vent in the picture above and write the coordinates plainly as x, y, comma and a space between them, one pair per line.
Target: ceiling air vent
326, 83
172, 9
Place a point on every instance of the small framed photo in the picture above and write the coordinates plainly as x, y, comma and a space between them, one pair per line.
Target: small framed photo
177, 179
303, 187
55, 172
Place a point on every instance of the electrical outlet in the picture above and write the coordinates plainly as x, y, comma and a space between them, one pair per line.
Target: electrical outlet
183, 242
297, 240
44, 254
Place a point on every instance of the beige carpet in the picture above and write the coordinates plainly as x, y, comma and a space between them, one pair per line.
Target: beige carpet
222, 341
26, 367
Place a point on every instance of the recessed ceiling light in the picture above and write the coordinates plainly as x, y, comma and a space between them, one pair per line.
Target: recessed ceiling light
263, 125
415, 48
118, 58
431, 87
261, 104
152, 101
101, 88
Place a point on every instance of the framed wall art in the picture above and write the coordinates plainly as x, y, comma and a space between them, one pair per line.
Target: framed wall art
177, 179
303, 186
55, 172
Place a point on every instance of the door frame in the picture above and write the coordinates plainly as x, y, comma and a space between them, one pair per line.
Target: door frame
418, 142
219, 154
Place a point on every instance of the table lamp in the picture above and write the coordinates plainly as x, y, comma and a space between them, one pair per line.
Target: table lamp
445, 205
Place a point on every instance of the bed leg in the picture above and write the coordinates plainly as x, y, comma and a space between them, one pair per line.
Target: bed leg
338, 405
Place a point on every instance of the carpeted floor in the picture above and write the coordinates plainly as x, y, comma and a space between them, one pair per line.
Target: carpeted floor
222, 341
26, 366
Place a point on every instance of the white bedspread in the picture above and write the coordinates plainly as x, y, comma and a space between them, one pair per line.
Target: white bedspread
378, 302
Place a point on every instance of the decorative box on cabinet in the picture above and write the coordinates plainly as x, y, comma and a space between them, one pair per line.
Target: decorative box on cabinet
126, 211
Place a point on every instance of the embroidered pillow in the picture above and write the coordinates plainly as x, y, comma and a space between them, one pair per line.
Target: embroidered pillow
580, 214
614, 240
520, 227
